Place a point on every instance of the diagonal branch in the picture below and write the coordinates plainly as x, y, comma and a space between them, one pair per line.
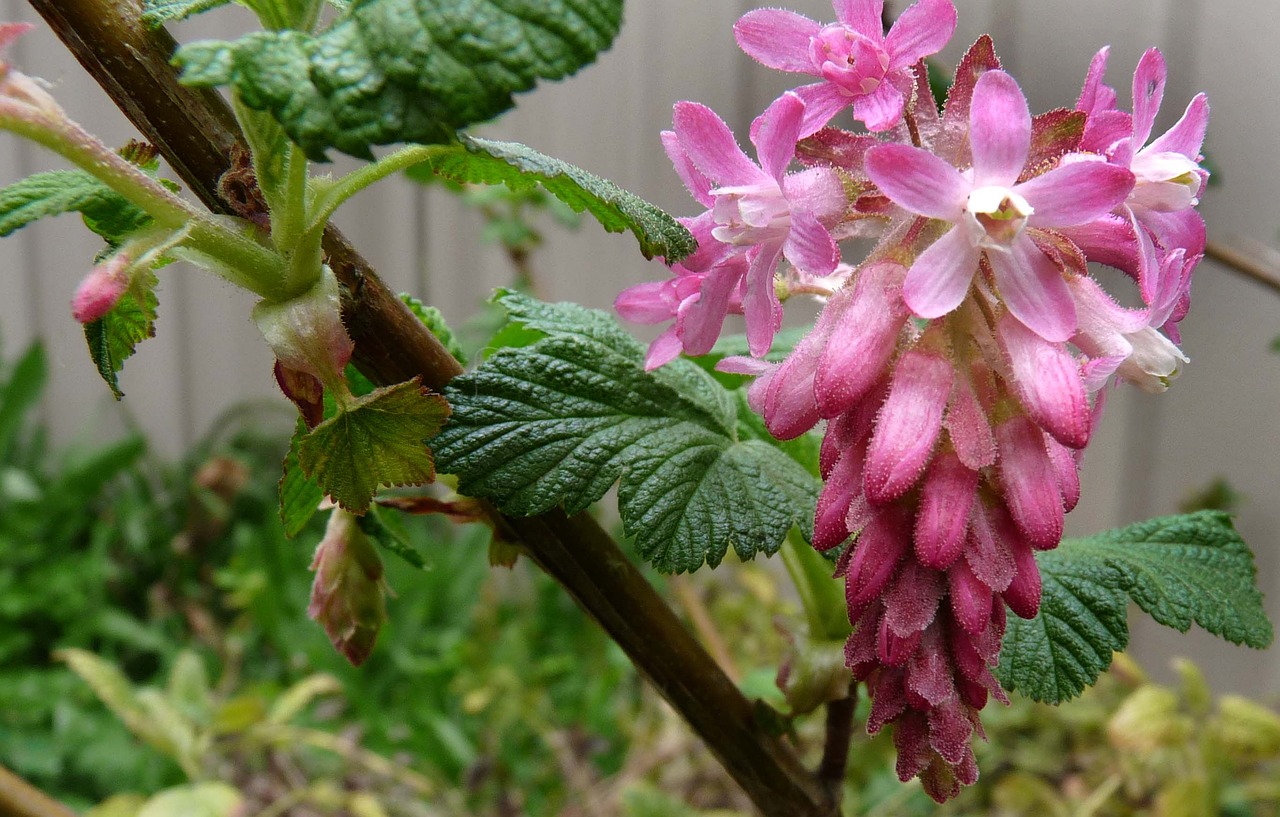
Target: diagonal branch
19, 799
196, 132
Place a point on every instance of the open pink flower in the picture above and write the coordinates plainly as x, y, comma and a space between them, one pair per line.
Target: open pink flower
1167, 173
859, 64
759, 210
991, 213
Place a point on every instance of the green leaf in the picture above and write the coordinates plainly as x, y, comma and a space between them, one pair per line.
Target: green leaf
558, 422
521, 168
404, 70
105, 211
20, 394
299, 496
433, 319
114, 337
195, 800
390, 538
378, 440
156, 13
1182, 570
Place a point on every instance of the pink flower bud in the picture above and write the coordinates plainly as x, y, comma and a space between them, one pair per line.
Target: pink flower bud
1023, 594
971, 598
943, 517
1048, 382
102, 288
1030, 482
876, 555
908, 426
863, 339
348, 597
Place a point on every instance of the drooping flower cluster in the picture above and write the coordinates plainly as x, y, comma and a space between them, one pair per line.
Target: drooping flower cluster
959, 367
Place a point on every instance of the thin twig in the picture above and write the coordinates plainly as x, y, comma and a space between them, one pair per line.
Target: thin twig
835, 747
18, 798
1231, 255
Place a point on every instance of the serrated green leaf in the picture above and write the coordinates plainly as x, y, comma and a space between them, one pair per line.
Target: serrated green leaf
433, 319
558, 422
156, 13
299, 496
404, 70
1181, 570
378, 440
105, 211
521, 168
114, 337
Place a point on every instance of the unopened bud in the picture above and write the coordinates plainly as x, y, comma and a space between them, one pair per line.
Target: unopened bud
102, 288
348, 597
306, 332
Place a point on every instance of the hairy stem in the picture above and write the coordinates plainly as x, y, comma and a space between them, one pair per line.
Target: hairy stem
334, 193
196, 132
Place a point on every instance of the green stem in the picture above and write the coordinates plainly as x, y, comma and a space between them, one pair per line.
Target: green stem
331, 194
821, 596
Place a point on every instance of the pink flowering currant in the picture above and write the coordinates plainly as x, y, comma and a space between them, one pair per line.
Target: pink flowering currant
957, 373
859, 64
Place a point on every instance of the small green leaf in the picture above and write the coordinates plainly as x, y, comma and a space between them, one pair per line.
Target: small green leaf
299, 496
1181, 570
378, 440
558, 422
114, 337
156, 13
106, 212
404, 70
521, 168
433, 319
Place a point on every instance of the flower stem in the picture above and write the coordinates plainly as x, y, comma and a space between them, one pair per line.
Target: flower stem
18, 798
820, 595
331, 194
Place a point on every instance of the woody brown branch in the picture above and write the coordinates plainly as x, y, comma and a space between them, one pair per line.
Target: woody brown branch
196, 133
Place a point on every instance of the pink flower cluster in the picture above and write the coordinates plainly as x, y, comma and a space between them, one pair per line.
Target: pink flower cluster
959, 368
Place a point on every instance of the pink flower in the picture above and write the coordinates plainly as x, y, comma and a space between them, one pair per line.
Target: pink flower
102, 288
759, 210
859, 65
1167, 173
991, 212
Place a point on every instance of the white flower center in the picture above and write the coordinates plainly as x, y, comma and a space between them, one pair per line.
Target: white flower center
997, 215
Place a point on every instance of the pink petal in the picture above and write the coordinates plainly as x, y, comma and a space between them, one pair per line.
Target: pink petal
1000, 130
1076, 193
865, 334
1047, 379
1187, 136
699, 322
822, 101
711, 251
760, 305
918, 181
664, 349
1032, 287
777, 38
929, 672
943, 516
711, 147
1030, 482
895, 650
817, 190
1148, 92
863, 16
1097, 96
698, 185
105, 284
908, 426
1109, 240
809, 245
790, 408
881, 109
1108, 133
776, 132
939, 279
647, 303
921, 30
